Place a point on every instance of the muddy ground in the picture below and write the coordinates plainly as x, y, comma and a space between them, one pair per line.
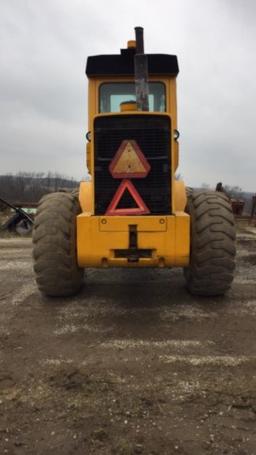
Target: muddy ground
132, 365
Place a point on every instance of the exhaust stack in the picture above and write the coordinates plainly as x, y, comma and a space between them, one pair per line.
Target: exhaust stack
141, 72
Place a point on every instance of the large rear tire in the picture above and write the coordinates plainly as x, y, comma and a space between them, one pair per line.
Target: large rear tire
212, 258
54, 239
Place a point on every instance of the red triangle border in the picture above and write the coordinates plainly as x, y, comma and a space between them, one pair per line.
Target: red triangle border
126, 184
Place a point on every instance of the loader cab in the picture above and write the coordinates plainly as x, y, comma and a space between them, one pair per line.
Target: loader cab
111, 86
111, 83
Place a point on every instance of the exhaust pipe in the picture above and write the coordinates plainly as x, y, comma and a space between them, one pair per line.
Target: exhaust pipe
141, 72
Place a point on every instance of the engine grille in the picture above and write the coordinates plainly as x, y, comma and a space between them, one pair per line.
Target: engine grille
152, 134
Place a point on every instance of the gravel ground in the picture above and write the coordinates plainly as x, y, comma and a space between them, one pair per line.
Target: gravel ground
132, 365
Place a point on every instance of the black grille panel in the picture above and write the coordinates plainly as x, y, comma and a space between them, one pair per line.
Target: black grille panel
152, 134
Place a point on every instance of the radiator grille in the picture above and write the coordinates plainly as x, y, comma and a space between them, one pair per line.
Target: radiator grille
152, 134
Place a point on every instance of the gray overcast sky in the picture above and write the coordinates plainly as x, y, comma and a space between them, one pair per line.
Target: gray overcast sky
43, 90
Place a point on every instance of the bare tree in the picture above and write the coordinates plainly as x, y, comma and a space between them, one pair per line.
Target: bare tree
31, 186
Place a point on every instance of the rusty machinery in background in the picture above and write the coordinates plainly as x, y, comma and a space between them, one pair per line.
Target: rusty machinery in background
237, 206
19, 222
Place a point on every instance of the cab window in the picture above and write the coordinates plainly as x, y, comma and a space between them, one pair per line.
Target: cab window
112, 94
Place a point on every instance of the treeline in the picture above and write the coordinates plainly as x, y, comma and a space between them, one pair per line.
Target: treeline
31, 186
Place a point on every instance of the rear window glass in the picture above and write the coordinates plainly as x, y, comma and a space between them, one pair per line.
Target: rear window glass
113, 94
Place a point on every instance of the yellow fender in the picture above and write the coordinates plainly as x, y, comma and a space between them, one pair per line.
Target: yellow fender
86, 197
179, 196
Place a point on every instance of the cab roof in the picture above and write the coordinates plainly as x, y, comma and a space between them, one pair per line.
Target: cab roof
123, 64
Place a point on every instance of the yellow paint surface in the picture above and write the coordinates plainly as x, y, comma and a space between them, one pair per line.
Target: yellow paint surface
97, 240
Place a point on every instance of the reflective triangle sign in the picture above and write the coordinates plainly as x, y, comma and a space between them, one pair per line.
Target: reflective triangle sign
129, 161
141, 208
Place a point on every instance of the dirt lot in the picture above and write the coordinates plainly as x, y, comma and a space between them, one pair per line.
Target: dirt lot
133, 365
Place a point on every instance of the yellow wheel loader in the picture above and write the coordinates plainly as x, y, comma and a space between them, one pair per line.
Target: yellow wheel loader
133, 212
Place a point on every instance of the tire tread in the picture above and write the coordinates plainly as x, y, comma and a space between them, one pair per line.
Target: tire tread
212, 260
54, 240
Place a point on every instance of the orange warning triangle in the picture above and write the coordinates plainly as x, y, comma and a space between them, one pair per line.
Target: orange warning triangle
141, 208
129, 161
